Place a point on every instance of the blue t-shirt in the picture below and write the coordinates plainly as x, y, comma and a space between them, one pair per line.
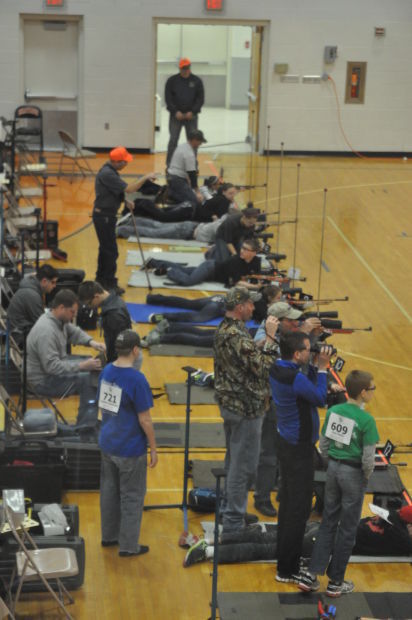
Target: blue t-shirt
121, 433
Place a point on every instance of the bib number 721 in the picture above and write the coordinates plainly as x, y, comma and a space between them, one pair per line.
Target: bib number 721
109, 397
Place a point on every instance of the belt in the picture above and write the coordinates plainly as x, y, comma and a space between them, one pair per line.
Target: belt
355, 464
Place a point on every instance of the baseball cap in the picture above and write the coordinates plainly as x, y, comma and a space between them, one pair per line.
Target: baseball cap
126, 341
282, 310
196, 134
184, 62
239, 295
120, 154
405, 514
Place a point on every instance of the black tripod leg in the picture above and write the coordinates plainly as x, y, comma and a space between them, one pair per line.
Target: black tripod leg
218, 473
131, 207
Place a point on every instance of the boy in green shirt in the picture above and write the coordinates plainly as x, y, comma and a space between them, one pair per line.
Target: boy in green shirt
348, 442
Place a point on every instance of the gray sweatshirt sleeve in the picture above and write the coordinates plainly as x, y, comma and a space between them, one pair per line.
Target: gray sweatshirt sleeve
323, 448
368, 460
49, 356
75, 335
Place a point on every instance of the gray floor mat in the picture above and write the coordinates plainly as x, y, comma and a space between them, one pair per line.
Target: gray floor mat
202, 473
189, 243
180, 350
138, 279
268, 605
386, 481
172, 435
177, 394
190, 259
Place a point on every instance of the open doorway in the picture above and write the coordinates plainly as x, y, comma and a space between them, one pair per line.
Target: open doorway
227, 57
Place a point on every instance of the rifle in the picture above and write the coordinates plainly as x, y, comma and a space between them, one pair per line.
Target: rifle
242, 188
317, 301
348, 330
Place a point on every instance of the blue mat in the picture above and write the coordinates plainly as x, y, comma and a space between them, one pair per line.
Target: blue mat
140, 314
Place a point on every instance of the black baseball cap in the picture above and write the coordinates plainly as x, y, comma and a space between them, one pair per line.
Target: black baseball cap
196, 134
126, 341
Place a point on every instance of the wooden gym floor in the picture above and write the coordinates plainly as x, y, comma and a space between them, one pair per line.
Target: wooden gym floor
367, 256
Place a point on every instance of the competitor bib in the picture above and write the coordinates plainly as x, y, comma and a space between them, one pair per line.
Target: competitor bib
110, 397
339, 428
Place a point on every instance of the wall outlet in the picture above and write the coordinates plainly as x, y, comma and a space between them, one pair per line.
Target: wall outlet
107, 125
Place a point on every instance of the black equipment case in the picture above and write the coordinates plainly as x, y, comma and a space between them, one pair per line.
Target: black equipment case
38, 467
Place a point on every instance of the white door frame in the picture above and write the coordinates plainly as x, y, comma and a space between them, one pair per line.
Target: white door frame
219, 22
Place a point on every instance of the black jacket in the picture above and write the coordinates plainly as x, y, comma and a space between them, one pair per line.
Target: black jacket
26, 305
115, 319
184, 94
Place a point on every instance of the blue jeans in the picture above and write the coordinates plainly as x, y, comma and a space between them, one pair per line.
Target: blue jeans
344, 492
122, 491
180, 190
241, 461
187, 276
160, 230
204, 309
72, 383
178, 333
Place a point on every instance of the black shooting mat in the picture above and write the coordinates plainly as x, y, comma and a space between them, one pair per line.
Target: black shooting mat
172, 435
180, 350
177, 394
299, 606
386, 481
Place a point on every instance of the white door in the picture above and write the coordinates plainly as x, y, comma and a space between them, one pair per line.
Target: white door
51, 74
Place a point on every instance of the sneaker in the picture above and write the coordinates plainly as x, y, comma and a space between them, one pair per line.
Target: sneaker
128, 554
266, 508
148, 264
160, 271
153, 337
188, 540
251, 518
307, 583
163, 326
196, 553
287, 578
336, 589
144, 344
155, 318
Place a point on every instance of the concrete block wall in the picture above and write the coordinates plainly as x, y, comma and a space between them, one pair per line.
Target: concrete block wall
118, 57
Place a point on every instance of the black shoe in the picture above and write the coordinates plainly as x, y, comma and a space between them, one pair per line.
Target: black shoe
148, 264
128, 554
160, 271
250, 518
118, 290
266, 508
109, 543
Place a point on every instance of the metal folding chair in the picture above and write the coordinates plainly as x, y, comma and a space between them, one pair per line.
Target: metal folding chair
76, 155
33, 564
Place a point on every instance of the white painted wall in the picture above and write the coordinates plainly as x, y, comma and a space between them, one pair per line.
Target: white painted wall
119, 70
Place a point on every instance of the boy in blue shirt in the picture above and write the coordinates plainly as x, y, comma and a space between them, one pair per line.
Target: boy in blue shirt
125, 400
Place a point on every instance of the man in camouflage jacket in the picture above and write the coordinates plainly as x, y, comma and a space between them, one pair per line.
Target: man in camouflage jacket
243, 395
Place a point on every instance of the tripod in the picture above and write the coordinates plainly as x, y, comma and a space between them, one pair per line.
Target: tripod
183, 505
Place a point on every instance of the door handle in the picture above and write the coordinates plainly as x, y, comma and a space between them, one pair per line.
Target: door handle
251, 96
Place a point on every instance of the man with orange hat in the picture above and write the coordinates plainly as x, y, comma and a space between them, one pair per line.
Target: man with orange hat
184, 95
110, 191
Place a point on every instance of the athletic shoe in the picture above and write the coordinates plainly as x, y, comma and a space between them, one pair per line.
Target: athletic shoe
307, 583
128, 554
148, 264
188, 540
155, 318
163, 326
153, 337
266, 508
337, 589
196, 553
160, 271
144, 344
287, 578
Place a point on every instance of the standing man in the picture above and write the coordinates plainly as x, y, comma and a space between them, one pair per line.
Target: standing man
125, 400
184, 95
242, 393
182, 171
296, 397
110, 191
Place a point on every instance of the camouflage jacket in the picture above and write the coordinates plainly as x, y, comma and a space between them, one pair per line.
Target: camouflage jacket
241, 370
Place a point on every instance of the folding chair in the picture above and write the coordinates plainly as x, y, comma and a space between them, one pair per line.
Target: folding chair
77, 156
28, 127
45, 565
5, 611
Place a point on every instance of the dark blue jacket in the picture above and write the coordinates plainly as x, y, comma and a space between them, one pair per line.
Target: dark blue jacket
296, 397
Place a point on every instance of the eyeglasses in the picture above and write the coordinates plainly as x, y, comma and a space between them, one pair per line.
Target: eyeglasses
370, 389
244, 247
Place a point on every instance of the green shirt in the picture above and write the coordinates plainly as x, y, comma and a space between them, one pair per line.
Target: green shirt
349, 428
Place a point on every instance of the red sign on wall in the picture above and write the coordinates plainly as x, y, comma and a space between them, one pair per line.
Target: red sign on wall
214, 5
54, 3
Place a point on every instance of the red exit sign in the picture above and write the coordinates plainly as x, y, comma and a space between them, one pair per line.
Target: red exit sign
214, 5
54, 3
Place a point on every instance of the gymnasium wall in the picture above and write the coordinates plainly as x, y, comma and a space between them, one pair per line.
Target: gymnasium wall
119, 67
